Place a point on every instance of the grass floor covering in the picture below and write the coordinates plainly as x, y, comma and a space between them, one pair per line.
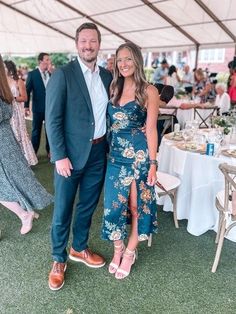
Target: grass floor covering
173, 276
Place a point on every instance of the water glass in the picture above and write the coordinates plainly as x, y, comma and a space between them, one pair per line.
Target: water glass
187, 135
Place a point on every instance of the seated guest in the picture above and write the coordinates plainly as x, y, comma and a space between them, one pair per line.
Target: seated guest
172, 78
200, 88
222, 98
163, 124
187, 79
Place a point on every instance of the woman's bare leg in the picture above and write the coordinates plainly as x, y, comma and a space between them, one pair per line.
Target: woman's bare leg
129, 255
25, 217
15, 208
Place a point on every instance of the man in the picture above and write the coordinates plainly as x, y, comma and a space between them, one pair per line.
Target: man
36, 84
76, 102
188, 78
110, 64
161, 73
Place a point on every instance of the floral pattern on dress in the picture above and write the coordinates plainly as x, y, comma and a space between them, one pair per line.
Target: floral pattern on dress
128, 161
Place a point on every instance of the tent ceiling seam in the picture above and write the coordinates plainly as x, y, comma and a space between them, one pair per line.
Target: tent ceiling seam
215, 19
166, 18
35, 19
92, 20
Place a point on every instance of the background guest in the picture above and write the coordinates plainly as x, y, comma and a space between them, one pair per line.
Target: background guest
187, 79
161, 73
20, 191
18, 124
36, 84
222, 100
232, 83
173, 78
110, 64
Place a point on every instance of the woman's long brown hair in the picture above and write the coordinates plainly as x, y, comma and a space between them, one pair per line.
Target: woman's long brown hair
11, 69
139, 76
5, 92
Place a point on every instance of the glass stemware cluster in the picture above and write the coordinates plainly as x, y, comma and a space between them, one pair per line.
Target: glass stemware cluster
189, 131
216, 137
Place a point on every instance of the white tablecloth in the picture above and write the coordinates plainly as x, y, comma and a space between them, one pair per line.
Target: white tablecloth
201, 179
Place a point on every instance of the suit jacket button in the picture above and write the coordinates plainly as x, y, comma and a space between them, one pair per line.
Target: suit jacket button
92, 123
90, 140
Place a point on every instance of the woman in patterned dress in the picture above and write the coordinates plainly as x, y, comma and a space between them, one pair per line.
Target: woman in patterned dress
20, 191
18, 124
131, 170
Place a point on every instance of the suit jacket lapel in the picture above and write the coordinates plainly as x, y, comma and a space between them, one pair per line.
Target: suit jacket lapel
40, 78
105, 81
81, 81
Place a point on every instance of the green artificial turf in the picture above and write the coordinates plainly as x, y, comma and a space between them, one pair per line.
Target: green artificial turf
173, 276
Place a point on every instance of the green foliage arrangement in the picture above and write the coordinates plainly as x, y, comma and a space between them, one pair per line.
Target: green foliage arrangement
224, 122
149, 74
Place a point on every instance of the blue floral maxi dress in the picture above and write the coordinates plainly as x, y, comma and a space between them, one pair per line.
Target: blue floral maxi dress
128, 160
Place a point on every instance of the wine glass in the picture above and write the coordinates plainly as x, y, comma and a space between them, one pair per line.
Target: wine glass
200, 138
219, 140
187, 135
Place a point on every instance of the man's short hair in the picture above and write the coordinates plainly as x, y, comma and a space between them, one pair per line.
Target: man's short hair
87, 26
41, 56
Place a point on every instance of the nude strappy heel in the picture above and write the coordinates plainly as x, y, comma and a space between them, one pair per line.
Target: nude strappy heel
118, 252
27, 222
129, 256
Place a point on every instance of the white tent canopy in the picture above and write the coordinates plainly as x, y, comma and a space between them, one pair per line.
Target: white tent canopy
30, 26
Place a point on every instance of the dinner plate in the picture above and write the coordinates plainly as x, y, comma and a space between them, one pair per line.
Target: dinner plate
174, 136
229, 152
192, 147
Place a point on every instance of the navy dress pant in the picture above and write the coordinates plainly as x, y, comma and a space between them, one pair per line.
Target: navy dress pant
88, 182
38, 118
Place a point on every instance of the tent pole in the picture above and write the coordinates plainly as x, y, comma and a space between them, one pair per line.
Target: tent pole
196, 58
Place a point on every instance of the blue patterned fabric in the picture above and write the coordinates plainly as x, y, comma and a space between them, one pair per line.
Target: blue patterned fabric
128, 160
17, 181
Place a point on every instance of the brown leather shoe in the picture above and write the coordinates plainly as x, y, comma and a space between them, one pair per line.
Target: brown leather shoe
56, 276
87, 257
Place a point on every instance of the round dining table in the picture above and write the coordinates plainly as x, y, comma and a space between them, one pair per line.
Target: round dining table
201, 180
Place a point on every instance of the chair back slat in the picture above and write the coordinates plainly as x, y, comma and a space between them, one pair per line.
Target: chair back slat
229, 173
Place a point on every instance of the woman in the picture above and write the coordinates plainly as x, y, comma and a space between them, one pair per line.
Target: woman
131, 170
173, 78
232, 83
201, 88
20, 191
222, 98
18, 125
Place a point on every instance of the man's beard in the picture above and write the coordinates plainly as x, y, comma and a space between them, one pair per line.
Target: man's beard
88, 59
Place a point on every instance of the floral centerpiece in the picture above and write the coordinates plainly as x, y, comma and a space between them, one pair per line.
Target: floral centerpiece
180, 94
225, 122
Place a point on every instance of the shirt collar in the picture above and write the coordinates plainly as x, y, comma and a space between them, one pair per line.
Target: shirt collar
42, 71
84, 67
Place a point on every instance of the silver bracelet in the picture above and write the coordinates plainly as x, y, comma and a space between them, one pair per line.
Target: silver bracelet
153, 162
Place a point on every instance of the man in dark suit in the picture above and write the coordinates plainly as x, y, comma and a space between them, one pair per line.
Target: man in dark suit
36, 84
76, 102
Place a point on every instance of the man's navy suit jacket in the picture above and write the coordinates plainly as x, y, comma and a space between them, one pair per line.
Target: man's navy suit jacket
34, 84
69, 119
